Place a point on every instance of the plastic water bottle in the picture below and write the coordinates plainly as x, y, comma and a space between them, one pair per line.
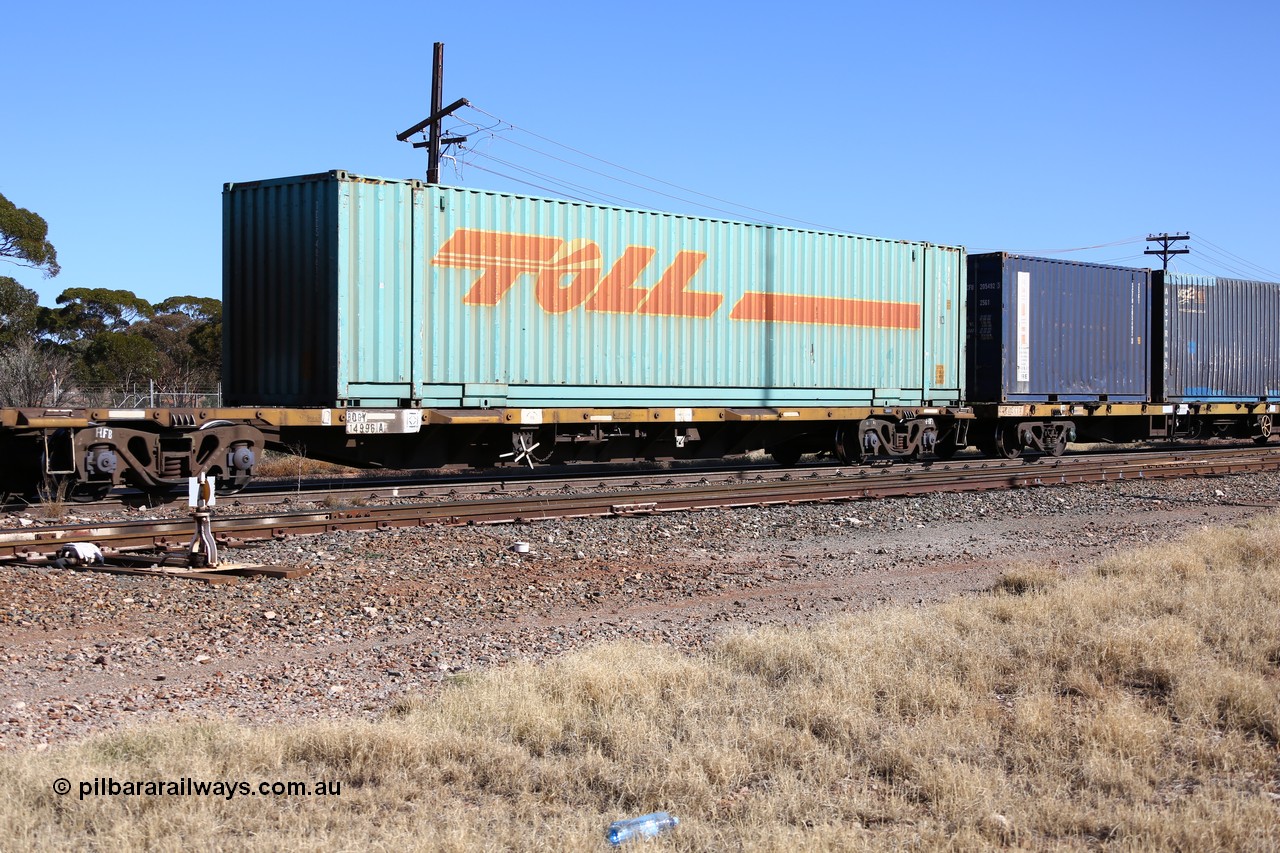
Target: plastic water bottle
645, 826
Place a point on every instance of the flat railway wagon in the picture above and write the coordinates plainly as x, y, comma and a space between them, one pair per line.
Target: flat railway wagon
1062, 350
386, 323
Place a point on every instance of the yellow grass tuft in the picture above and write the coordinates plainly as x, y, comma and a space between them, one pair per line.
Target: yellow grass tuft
275, 465
1028, 579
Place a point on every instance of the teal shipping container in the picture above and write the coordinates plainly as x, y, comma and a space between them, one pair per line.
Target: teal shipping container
346, 290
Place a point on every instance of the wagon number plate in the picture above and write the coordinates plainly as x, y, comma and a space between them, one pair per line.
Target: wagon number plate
379, 421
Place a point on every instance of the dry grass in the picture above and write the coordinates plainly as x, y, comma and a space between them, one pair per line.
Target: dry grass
282, 466
1137, 707
53, 499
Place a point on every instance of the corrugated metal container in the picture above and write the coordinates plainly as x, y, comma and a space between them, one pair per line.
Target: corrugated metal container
1221, 338
340, 289
1046, 330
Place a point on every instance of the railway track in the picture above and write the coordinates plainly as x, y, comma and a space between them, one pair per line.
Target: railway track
435, 485
676, 493
452, 486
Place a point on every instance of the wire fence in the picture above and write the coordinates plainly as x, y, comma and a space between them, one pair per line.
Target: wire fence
136, 396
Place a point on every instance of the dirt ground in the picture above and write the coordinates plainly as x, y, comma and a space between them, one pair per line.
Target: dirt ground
386, 614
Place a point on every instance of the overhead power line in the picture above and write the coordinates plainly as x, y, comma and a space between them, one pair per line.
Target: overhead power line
1242, 261
775, 218
631, 203
1126, 241
561, 181
1223, 265
526, 183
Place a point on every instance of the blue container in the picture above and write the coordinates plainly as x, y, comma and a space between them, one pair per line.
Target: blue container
1220, 337
340, 290
1044, 330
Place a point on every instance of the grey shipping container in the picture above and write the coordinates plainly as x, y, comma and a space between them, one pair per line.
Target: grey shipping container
1046, 330
340, 290
1221, 339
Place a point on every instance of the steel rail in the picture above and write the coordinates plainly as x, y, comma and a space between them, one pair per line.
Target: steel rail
591, 475
410, 489
863, 484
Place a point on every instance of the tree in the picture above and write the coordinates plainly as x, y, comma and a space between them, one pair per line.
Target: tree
204, 338
187, 332
32, 375
19, 308
119, 359
24, 239
202, 309
89, 311
175, 368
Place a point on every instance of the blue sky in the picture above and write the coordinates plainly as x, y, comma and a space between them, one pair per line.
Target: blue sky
1020, 126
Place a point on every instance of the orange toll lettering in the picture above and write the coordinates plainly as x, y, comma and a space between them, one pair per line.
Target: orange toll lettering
671, 295
502, 256
618, 293
568, 274
579, 262
826, 311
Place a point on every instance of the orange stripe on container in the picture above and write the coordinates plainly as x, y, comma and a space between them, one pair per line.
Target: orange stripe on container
826, 311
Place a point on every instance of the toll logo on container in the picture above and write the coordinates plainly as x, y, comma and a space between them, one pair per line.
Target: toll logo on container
569, 274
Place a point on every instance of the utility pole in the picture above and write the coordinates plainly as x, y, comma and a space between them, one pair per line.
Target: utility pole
1166, 240
433, 140
437, 101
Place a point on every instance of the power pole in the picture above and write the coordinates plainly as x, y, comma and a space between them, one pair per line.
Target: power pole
1166, 240
437, 101
433, 140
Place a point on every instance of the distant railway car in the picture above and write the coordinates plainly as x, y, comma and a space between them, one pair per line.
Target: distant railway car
1062, 349
561, 329
1045, 334
1219, 352
1047, 330
1220, 337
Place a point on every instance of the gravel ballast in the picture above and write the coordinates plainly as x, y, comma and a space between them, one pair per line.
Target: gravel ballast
390, 613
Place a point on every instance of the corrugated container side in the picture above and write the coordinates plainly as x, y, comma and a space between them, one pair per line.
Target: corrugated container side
375, 296
1220, 339
1044, 330
459, 297
280, 307
755, 314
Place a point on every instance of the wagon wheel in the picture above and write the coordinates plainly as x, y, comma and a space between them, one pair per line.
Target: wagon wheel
89, 492
154, 496
239, 470
232, 485
847, 449
1006, 442
1264, 430
18, 486
229, 483
786, 455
